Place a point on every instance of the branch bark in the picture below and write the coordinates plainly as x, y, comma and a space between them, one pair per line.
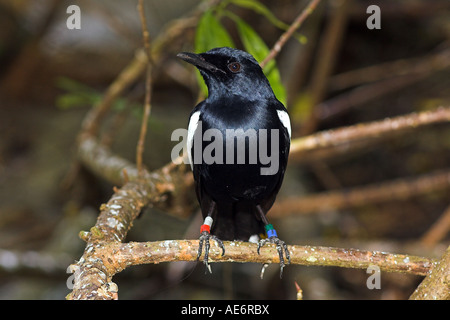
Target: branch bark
102, 260
436, 285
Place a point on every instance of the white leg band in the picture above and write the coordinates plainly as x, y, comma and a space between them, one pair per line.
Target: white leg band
208, 221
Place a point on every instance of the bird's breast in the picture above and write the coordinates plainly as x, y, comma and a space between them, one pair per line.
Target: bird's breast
242, 151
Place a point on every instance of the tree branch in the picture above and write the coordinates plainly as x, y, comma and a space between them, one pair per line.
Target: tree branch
399, 189
331, 140
436, 285
102, 260
439, 229
402, 67
148, 88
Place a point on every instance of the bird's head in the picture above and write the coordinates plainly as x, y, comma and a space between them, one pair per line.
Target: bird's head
230, 71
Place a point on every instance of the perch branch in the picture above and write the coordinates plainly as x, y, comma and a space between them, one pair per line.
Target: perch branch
186, 250
102, 260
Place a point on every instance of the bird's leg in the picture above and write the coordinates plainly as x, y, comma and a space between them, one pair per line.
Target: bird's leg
272, 237
205, 236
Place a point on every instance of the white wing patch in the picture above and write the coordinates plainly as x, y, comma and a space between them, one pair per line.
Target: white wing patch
193, 123
285, 120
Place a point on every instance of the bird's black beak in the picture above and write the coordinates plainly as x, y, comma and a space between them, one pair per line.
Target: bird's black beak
199, 61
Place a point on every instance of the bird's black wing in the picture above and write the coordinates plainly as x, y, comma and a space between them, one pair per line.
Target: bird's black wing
203, 198
268, 202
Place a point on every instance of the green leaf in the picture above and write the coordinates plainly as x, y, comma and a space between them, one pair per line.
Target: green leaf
210, 34
258, 7
71, 85
257, 48
69, 100
77, 94
302, 107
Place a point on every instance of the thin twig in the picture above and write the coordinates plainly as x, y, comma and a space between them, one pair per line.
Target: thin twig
299, 291
129, 74
438, 230
148, 89
92, 121
363, 94
327, 53
289, 32
21, 72
137, 66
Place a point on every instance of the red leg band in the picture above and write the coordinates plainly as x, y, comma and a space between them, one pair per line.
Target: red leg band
205, 227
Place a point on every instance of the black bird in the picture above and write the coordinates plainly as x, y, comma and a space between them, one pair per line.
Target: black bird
250, 132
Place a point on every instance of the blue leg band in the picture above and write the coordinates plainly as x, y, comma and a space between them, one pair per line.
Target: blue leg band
271, 233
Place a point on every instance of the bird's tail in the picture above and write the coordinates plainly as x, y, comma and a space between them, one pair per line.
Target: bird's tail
238, 221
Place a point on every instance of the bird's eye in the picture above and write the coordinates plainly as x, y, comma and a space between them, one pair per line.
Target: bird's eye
234, 67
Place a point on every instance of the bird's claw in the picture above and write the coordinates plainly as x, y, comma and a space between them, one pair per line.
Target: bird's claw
281, 246
204, 239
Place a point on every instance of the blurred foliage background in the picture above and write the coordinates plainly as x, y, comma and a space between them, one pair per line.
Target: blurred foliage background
50, 76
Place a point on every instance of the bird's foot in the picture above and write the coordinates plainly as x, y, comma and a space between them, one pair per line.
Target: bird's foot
281, 247
205, 236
